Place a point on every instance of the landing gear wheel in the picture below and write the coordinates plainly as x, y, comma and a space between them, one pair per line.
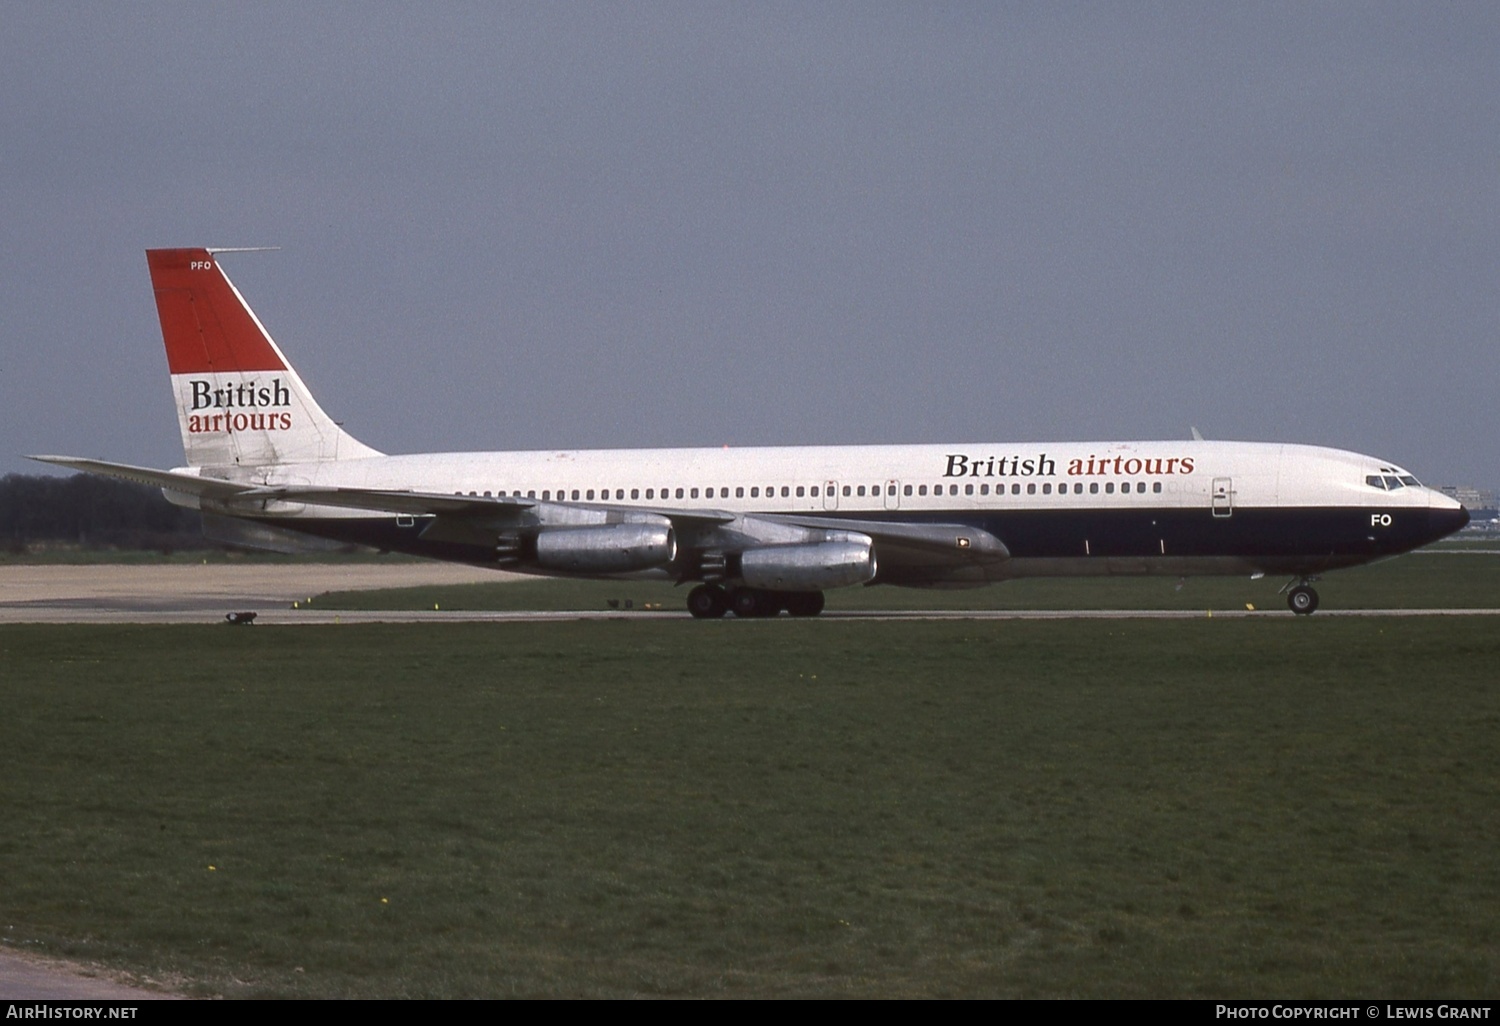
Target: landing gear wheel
707, 602
804, 603
1302, 599
752, 602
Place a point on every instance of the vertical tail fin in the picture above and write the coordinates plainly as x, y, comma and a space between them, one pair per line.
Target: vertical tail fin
239, 402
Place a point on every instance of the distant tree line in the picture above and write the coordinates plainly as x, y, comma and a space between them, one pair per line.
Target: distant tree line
93, 512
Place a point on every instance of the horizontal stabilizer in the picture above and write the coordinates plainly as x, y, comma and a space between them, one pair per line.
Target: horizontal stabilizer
187, 484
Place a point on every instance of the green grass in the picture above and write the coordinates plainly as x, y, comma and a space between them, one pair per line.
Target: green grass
1123, 808
1470, 580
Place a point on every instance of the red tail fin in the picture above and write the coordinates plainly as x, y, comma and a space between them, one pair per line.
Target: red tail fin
205, 322
239, 402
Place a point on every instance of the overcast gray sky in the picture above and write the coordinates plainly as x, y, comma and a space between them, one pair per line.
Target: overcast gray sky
553, 225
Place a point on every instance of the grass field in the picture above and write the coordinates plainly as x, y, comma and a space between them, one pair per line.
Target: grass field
1204, 807
1443, 579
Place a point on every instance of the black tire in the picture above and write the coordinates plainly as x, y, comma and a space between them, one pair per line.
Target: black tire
706, 602
804, 603
1302, 600
751, 602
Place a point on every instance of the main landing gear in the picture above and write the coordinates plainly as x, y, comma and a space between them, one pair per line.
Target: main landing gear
1301, 598
711, 601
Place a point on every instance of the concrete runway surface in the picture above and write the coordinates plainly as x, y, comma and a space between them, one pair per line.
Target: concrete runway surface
204, 593
32, 978
188, 593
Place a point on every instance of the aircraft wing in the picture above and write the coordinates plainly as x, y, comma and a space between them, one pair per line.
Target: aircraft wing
910, 551
482, 507
382, 500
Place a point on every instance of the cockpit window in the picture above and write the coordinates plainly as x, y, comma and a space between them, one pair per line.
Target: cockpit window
1410, 481
1375, 481
1392, 482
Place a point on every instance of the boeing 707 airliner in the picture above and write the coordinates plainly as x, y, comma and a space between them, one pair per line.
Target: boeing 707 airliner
758, 531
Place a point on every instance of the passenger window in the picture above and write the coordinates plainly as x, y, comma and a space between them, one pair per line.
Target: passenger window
906, 489
679, 493
575, 494
846, 491
984, 489
635, 493
755, 492
814, 491
785, 491
1156, 486
531, 494
1093, 487
968, 489
709, 493
1140, 488
739, 492
589, 494
921, 489
861, 489
693, 494
800, 491
1109, 488
650, 493
1047, 489
1031, 488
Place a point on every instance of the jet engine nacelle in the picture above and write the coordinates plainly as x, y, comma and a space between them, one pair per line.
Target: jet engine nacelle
813, 567
612, 549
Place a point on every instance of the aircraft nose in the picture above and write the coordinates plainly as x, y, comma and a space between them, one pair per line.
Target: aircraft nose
1444, 516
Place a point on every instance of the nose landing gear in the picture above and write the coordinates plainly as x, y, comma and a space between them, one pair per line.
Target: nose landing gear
1301, 597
